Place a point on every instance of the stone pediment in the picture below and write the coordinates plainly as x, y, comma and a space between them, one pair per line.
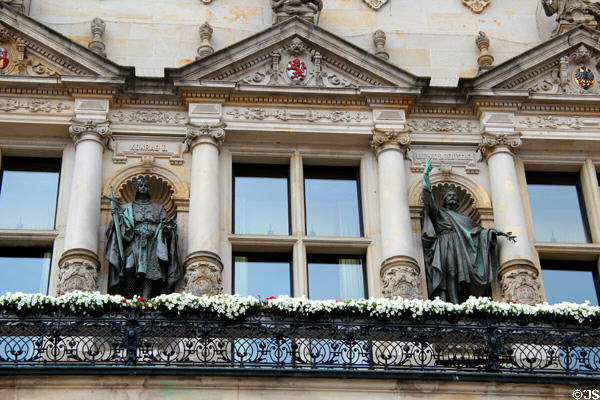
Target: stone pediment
28, 48
295, 53
566, 64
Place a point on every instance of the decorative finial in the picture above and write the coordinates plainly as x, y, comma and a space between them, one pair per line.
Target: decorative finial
96, 44
379, 39
205, 48
485, 59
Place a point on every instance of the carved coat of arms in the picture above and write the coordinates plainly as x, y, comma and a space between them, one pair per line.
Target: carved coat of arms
4, 58
296, 70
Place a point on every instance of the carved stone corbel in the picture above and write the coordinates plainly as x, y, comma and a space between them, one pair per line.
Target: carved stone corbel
520, 283
78, 270
401, 278
203, 274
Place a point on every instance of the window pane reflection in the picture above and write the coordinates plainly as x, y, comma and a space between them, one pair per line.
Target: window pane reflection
261, 200
575, 286
24, 274
262, 275
332, 202
335, 278
556, 210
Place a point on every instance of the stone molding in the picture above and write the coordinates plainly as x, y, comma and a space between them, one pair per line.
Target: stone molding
401, 277
98, 131
203, 274
520, 282
96, 44
400, 138
195, 134
78, 270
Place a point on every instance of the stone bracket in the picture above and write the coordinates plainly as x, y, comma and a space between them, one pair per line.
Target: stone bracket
78, 270
203, 274
401, 277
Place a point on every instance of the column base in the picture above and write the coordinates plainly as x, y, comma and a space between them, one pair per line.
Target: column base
520, 282
203, 274
78, 271
401, 277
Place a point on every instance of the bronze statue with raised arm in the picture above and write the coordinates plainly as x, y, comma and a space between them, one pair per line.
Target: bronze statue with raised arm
460, 255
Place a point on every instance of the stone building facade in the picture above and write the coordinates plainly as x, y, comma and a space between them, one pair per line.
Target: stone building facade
183, 94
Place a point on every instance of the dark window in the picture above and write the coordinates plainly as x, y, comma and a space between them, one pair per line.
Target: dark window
557, 208
573, 281
261, 204
262, 275
24, 270
333, 277
28, 193
332, 198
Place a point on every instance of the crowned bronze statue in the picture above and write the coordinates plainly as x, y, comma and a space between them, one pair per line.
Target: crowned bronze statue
460, 255
141, 247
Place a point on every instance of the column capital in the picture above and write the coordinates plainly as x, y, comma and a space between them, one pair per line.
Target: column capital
214, 134
395, 137
90, 129
498, 132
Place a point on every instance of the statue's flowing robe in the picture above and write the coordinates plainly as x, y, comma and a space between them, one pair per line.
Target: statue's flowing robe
453, 240
150, 251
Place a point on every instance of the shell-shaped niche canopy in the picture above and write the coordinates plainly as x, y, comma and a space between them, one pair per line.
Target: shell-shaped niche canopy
161, 192
465, 199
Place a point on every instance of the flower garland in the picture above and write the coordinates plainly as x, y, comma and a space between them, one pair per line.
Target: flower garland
235, 306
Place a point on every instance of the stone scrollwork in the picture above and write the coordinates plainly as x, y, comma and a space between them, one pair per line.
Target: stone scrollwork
477, 6
400, 277
521, 286
441, 125
100, 129
78, 270
196, 132
391, 136
258, 113
490, 141
149, 116
203, 277
33, 106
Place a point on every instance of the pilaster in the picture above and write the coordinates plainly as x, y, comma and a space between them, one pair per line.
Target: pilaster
399, 272
205, 136
518, 275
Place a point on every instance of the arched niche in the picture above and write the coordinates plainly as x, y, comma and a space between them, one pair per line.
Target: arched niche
473, 199
166, 188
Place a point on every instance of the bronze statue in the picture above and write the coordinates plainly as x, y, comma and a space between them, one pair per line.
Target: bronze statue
141, 247
460, 255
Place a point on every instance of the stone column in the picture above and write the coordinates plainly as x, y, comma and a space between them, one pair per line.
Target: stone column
518, 275
400, 272
79, 264
203, 266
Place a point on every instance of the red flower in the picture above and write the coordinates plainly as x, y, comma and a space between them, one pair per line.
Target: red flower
339, 301
124, 300
271, 298
62, 293
141, 299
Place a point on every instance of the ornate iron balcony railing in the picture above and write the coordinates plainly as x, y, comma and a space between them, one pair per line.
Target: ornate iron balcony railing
278, 342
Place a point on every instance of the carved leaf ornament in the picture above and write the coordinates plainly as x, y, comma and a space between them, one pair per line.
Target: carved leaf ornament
476, 6
375, 4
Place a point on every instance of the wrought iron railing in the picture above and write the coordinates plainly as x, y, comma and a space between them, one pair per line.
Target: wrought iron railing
279, 342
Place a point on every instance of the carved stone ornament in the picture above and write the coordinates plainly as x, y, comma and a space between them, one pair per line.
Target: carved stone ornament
296, 63
306, 115
98, 130
552, 122
485, 59
491, 141
443, 158
521, 286
21, 57
398, 137
307, 9
203, 278
194, 133
96, 44
441, 125
77, 275
149, 117
379, 39
570, 13
401, 281
19, 5
33, 106
205, 49
477, 6
375, 4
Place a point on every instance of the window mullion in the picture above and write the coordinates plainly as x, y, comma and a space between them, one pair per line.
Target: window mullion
591, 195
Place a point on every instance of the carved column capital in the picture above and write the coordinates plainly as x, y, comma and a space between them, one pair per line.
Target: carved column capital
203, 274
499, 133
520, 282
401, 277
394, 137
98, 131
195, 134
78, 270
